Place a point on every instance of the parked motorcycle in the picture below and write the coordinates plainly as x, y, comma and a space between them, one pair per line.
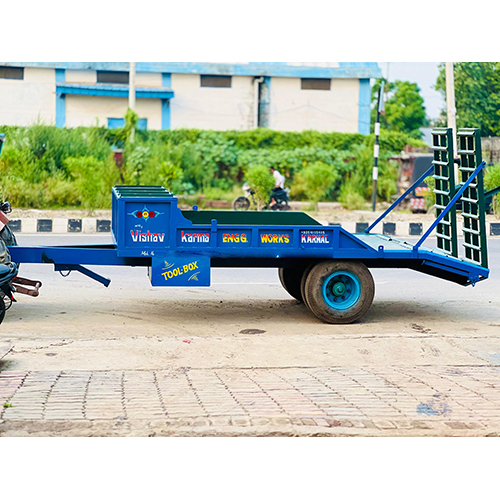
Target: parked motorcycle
281, 197
10, 282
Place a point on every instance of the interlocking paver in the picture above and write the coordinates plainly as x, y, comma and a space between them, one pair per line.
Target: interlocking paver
378, 399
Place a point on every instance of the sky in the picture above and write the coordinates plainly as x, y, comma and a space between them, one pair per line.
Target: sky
424, 74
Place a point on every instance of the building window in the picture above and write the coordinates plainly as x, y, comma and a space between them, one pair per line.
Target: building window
11, 73
316, 83
215, 81
142, 124
112, 77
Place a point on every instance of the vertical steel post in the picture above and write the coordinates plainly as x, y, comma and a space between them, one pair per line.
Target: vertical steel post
256, 93
450, 104
376, 147
265, 102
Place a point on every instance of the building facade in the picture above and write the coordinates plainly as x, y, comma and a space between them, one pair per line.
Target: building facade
217, 96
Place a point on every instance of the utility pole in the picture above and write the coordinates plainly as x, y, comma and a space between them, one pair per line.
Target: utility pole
380, 109
450, 104
131, 95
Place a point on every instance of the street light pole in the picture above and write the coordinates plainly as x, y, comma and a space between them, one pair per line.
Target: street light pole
380, 109
450, 104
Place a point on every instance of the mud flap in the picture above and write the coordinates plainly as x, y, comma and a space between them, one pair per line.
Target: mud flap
182, 270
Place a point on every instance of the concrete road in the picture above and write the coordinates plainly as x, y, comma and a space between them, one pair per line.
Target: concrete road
139, 326
78, 326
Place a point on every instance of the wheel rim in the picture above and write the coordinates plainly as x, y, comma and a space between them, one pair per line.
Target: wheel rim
241, 204
341, 290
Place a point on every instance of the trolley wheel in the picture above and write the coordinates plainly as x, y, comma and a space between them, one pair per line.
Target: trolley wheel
241, 203
339, 292
305, 274
291, 278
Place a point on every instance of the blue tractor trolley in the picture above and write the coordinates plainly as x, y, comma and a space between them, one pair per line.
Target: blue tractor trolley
326, 267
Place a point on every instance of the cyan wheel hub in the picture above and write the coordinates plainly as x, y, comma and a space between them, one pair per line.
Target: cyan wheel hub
341, 290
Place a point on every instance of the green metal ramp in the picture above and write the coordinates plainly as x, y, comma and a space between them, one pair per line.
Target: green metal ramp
474, 224
444, 176
472, 199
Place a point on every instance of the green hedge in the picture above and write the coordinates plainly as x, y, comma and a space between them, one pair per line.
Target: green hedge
48, 167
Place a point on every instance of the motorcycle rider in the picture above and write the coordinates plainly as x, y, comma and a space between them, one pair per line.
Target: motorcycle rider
279, 184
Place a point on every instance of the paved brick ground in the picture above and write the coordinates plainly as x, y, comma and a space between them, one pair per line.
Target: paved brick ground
423, 400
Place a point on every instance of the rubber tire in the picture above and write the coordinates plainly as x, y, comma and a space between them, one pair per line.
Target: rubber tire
305, 274
291, 278
313, 291
241, 203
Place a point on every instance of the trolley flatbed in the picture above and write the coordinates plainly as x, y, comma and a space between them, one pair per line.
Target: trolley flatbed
326, 267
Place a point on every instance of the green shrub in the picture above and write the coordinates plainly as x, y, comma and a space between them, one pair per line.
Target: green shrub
492, 177
430, 196
21, 193
495, 204
212, 193
165, 173
261, 181
93, 180
186, 160
361, 173
317, 180
136, 162
350, 195
492, 181
60, 192
387, 181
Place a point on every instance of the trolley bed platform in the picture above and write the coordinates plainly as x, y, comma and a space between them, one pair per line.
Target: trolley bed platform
326, 267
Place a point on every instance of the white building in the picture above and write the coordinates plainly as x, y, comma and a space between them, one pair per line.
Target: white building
217, 96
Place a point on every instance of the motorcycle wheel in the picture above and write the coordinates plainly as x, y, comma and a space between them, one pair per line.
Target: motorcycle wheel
8, 237
241, 203
2, 310
281, 206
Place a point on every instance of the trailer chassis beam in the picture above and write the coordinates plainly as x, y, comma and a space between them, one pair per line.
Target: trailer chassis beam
81, 269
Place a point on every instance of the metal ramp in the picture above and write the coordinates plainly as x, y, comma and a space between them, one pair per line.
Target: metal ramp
472, 197
444, 176
470, 191
473, 213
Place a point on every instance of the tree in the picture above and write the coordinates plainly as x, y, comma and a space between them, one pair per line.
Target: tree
404, 107
477, 95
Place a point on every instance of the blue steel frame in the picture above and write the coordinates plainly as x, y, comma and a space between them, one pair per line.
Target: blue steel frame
373, 250
452, 202
401, 198
262, 246
113, 91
